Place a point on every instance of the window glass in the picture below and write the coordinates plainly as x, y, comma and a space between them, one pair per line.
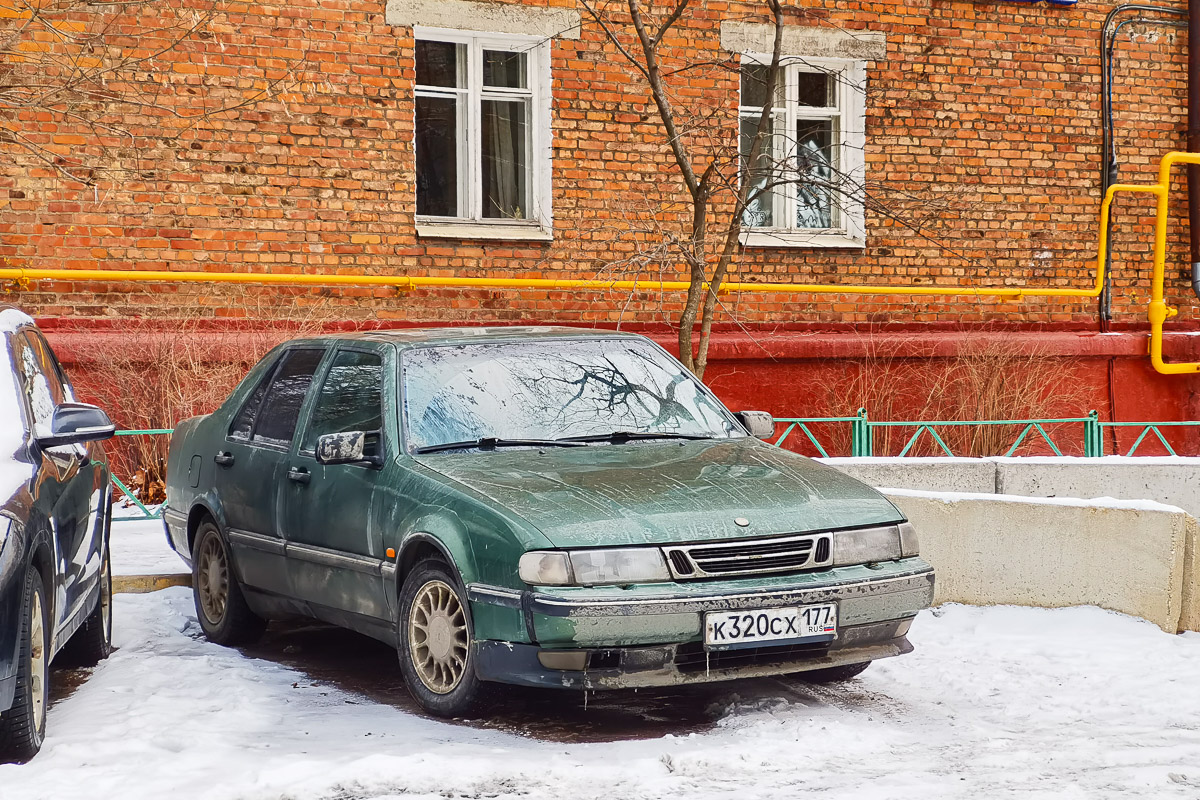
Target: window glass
815, 89
802, 159
439, 64
475, 108
41, 387
552, 390
505, 143
243, 423
814, 156
504, 69
754, 84
351, 399
281, 406
49, 362
760, 208
438, 132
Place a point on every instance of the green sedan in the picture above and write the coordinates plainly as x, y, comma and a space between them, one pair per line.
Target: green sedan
539, 506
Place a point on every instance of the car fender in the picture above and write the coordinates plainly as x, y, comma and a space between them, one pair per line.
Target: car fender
446, 533
208, 503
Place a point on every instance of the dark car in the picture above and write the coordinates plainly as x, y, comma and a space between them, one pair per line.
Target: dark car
539, 506
55, 581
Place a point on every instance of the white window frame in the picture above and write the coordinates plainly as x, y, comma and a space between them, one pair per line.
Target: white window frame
849, 229
539, 226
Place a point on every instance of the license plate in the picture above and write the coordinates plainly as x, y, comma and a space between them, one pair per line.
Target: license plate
725, 630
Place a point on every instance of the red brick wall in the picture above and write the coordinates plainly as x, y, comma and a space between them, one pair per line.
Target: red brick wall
983, 128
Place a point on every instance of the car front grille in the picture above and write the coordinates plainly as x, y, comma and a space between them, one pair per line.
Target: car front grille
694, 658
751, 556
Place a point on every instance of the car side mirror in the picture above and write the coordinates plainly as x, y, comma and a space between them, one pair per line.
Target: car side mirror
76, 423
760, 424
342, 448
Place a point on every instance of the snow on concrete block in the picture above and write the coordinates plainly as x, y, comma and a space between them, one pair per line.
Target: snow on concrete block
1168, 480
928, 474
1126, 556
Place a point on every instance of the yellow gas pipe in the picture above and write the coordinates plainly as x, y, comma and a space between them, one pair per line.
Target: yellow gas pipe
1158, 310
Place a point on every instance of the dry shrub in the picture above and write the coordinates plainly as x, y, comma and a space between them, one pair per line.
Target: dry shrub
990, 381
985, 380
166, 370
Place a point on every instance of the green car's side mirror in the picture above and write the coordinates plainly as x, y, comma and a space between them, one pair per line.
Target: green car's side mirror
341, 448
760, 424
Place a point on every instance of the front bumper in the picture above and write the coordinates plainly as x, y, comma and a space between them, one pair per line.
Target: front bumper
679, 664
652, 636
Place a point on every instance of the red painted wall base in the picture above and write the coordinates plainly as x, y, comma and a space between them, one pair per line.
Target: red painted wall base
799, 373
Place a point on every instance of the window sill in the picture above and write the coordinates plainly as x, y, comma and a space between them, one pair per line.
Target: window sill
489, 231
801, 239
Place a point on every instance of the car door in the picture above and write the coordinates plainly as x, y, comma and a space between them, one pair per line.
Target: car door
335, 549
66, 488
251, 463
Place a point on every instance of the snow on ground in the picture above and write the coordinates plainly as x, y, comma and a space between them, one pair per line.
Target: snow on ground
139, 546
995, 702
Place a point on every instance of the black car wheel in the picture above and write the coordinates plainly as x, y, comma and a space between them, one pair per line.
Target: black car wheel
833, 674
23, 726
92, 643
220, 605
434, 643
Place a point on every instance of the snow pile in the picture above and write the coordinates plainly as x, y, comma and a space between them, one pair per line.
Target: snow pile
1075, 502
139, 547
994, 702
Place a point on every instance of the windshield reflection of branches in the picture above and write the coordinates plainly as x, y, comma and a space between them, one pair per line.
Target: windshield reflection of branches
606, 390
552, 391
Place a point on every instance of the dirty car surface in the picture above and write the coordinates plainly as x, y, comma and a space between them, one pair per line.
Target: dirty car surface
538, 506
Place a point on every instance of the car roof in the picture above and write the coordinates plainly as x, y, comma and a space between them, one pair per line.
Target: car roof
416, 337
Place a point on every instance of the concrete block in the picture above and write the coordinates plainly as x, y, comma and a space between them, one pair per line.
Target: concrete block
1190, 619
987, 550
1174, 481
974, 475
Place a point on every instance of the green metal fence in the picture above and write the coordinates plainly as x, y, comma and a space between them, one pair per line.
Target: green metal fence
1082, 435
857, 434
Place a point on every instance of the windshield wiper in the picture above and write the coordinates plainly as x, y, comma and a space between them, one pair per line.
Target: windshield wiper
492, 442
618, 437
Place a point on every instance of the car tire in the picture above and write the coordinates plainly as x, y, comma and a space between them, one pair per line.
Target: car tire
92, 643
23, 727
221, 607
434, 636
833, 674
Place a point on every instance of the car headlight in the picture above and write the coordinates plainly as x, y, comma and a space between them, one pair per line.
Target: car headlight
866, 546
594, 567
909, 546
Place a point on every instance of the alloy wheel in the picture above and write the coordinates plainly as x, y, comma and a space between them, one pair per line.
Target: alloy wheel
438, 637
213, 583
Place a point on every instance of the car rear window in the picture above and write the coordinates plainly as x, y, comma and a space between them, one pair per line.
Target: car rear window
280, 409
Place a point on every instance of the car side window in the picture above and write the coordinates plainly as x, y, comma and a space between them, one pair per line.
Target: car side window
54, 371
41, 387
243, 424
351, 399
281, 406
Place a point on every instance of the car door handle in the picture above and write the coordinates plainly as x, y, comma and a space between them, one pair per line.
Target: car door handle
299, 475
224, 458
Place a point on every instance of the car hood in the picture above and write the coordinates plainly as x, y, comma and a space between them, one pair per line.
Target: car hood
661, 493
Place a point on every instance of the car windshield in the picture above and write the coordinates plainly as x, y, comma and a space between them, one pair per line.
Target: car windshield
554, 389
